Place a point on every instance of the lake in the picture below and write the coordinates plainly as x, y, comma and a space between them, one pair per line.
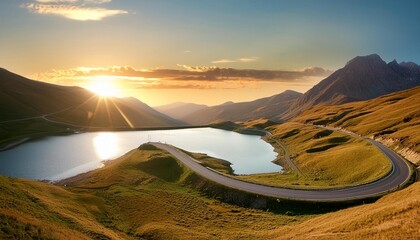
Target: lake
60, 157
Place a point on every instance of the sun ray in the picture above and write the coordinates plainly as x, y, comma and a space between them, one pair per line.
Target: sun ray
72, 108
108, 112
123, 115
98, 102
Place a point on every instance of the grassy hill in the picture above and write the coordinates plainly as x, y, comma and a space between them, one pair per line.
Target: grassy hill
24, 98
320, 157
323, 158
393, 119
139, 196
31, 109
394, 216
143, 195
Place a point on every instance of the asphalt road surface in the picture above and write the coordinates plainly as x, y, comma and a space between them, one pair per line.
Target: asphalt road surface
399, 174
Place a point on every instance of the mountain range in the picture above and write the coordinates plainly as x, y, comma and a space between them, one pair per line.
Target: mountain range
268, 107
362, 78
146, 194
180, 110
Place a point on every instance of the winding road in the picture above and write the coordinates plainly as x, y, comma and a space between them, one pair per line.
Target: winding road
43, 116
287, 158
398, 176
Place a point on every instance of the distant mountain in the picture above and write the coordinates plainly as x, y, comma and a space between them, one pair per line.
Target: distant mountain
226, 103
179, 110
361, 78
269, 107
22, 98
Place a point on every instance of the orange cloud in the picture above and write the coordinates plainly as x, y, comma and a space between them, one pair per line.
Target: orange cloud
244, 60
197, 68
223, 61
189, 77
252, 59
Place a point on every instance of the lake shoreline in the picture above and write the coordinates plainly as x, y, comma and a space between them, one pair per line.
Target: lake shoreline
14, 142
32, 137
52, 156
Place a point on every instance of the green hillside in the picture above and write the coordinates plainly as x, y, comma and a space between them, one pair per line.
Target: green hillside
392, 118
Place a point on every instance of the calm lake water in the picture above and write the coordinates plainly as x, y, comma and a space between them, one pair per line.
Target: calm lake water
55, 158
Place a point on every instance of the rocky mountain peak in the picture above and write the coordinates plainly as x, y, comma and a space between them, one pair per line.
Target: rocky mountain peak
365, 62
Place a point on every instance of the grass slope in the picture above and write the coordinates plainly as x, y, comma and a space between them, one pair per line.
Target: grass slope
139, 196
128, 199
13, 132
324, 158
394, 117
395, 216
31, 109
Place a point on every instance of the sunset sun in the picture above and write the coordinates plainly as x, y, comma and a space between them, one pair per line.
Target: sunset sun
104, 86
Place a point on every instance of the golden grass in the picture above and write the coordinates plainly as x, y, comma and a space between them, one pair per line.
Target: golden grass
395, 216
219, 165
260, 123
121, 201
395, 116
33, 209
324, 158
127, 199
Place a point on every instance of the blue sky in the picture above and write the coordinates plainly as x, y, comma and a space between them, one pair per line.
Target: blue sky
242, 34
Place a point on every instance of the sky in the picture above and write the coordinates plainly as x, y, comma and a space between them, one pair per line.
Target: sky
206, 51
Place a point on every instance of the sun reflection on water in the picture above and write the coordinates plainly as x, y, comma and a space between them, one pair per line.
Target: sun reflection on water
106, 145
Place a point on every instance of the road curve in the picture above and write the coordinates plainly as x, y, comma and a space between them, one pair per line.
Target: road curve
287, 159
399, 174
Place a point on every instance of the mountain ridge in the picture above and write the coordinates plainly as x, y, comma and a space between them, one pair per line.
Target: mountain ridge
362, 78
23, 98
179, 110
267, 107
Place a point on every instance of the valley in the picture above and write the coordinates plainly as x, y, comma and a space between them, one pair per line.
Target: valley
148, 194
322, 158
156, 191
209, 120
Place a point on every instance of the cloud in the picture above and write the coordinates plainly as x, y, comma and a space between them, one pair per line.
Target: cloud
252, 59
197, 68
97, 1
73, 9
75, 1
313, 70
244, 60
188, 77
223, 61
57, 1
